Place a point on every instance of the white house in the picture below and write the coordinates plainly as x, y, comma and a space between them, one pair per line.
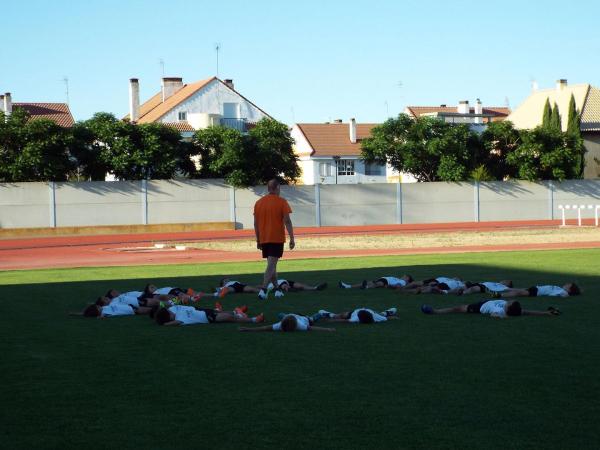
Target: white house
476, 117
190, 107
329, 153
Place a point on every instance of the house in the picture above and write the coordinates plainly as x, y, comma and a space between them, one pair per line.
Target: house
193, 106
57, 112
329, 153
477, 117
587, 101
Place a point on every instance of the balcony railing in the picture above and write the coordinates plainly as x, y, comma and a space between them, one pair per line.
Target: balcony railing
242, 125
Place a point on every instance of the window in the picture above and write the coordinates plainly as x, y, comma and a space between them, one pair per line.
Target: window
346, 167
374, 169
182, 116
325, 169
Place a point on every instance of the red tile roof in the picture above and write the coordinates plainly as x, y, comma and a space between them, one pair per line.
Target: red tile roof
57, 112
499, 112
179, 126
154, 108
333, 139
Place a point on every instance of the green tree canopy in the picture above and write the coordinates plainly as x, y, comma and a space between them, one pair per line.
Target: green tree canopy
547, 114
247, 159
427, 148
546, 154
555, 123
33, 150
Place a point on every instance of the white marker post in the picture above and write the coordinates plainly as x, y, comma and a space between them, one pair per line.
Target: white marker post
562, 210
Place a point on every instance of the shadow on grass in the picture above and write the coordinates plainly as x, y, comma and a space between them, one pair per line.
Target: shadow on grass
436, 381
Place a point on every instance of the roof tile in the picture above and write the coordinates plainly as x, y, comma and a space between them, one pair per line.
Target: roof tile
57, 112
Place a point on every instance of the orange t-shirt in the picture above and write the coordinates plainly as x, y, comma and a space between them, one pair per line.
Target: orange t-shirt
269, 212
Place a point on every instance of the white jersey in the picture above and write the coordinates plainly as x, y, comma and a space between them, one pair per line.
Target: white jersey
494, 287
376, 316
302, 323
551, 291
117, 309
494, 308
393, 281
188, 315
127, 298
451, 282
162, 291
279, 283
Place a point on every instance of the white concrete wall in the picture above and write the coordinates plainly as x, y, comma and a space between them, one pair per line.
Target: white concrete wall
210, 100
30, 205
25, 205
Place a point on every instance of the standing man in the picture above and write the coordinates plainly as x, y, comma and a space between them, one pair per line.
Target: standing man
271, 214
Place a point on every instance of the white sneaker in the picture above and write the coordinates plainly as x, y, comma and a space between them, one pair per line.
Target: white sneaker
262, 294
343, 285
326, 313
278, 293
390, 312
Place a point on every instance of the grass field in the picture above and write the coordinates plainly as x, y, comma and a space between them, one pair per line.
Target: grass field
418, 382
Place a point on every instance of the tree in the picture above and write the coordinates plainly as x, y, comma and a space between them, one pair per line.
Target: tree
130, 151
574, 132
499, 140
427, 148
247, 159
547, 114
546, 154
555, 123
33, 150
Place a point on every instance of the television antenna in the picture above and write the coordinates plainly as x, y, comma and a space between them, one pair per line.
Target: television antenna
161, 63
66, 81
217, 49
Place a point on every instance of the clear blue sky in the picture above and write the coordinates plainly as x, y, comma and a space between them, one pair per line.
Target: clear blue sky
308, 61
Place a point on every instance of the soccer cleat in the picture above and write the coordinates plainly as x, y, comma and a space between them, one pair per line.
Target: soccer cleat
262, 294
218, 306
390, 312
364, 284
278, 293
343, 285
260, 318
426, 309
316, 317
325, 313
321, 286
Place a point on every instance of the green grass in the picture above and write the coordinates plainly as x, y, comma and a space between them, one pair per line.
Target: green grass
417, 382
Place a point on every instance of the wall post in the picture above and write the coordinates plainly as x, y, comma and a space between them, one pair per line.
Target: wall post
145, 202
52, 192
317, 204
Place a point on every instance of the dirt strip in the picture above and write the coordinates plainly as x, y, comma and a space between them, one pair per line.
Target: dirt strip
109, 250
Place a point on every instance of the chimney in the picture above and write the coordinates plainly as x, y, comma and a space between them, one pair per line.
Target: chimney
2, 103
337, 121
169, 86
463, 107
7, 104
561, 84
134, 99
229, 83
478, 110
353, 130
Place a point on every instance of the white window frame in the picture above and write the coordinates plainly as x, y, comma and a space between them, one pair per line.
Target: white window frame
182, 116
345, 167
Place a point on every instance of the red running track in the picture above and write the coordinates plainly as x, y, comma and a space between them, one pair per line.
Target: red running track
125, 250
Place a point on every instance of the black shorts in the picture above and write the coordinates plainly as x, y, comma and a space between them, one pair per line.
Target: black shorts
442, 286
238, 288
475, 308
381, 280
430, 281
211, 314
533, 290
271, 249
290, 283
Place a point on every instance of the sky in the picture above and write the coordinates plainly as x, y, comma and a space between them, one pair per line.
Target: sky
309, 61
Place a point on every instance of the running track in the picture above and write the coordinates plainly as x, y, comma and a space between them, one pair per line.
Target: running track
132, 249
